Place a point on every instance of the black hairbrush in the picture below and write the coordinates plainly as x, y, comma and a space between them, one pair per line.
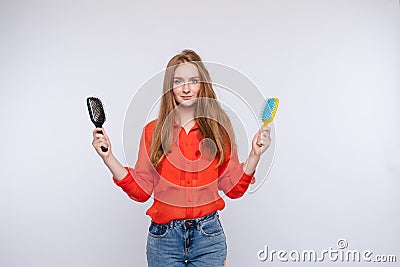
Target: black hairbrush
97, 115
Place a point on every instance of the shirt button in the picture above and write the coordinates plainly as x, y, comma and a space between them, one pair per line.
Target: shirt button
188, 182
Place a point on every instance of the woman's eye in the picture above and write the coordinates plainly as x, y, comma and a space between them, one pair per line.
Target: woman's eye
195, 81
177, 81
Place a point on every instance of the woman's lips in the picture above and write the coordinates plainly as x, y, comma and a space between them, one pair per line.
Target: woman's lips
186, 97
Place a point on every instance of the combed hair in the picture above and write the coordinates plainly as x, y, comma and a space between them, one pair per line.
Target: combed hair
213, 121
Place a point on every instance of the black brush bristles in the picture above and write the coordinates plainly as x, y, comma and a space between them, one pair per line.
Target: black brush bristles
96, 111
97, 114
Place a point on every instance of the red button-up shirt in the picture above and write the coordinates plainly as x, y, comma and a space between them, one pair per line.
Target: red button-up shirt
186, 184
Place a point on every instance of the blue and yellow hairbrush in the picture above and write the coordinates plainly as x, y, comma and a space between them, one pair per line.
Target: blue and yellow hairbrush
269, 110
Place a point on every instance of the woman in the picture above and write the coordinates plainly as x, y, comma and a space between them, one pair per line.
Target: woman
185, 157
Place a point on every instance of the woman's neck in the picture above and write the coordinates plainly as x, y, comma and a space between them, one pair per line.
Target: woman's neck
186, 115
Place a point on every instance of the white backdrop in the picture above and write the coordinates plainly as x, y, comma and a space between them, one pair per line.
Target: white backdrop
333, 64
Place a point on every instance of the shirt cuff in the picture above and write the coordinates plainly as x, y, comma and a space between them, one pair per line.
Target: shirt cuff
123, 180
248, 178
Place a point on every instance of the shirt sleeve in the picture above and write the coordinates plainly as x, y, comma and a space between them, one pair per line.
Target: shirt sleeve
139, 182
233, 181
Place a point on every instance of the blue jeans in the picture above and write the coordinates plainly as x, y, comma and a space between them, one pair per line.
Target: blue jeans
199, 242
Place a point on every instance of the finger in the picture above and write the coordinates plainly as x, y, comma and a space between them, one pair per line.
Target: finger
266, 129
103, 144
103, 130
266, 139
97, 144
259, 142
99, 131
266, 134
101, 141
99, 136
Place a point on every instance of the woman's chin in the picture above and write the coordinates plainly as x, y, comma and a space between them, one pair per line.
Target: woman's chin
188, 103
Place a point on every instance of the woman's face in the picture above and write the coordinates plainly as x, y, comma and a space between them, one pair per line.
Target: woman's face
186, 84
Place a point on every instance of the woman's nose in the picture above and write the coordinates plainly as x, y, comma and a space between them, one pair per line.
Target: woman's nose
186, 88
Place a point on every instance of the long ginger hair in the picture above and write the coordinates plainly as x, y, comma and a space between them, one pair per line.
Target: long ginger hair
213, 121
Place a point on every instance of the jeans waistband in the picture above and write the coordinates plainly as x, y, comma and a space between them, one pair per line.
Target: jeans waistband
190, 223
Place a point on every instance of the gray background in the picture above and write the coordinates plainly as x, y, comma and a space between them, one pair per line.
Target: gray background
333, 64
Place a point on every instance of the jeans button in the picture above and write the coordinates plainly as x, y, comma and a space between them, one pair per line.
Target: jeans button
188, 224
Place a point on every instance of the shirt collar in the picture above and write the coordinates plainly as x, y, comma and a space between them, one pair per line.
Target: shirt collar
195, 126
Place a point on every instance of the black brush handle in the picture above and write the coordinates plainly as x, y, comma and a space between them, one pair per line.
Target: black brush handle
104, 149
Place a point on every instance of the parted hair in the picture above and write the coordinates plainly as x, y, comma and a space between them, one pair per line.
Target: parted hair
213, 121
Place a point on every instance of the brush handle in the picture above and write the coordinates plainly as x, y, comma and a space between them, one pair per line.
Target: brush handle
266, 123
104, 149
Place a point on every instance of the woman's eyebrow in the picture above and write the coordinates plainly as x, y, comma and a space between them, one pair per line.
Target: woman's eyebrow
189, 78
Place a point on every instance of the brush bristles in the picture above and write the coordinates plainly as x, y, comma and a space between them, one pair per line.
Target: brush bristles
269, 108
96, 111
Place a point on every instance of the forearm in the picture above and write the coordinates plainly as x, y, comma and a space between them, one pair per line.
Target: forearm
261, 141
118, 171
251, 164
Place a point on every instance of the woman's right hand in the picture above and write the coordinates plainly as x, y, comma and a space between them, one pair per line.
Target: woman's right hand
101, 140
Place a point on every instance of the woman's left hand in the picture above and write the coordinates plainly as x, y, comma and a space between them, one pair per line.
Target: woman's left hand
261, 141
